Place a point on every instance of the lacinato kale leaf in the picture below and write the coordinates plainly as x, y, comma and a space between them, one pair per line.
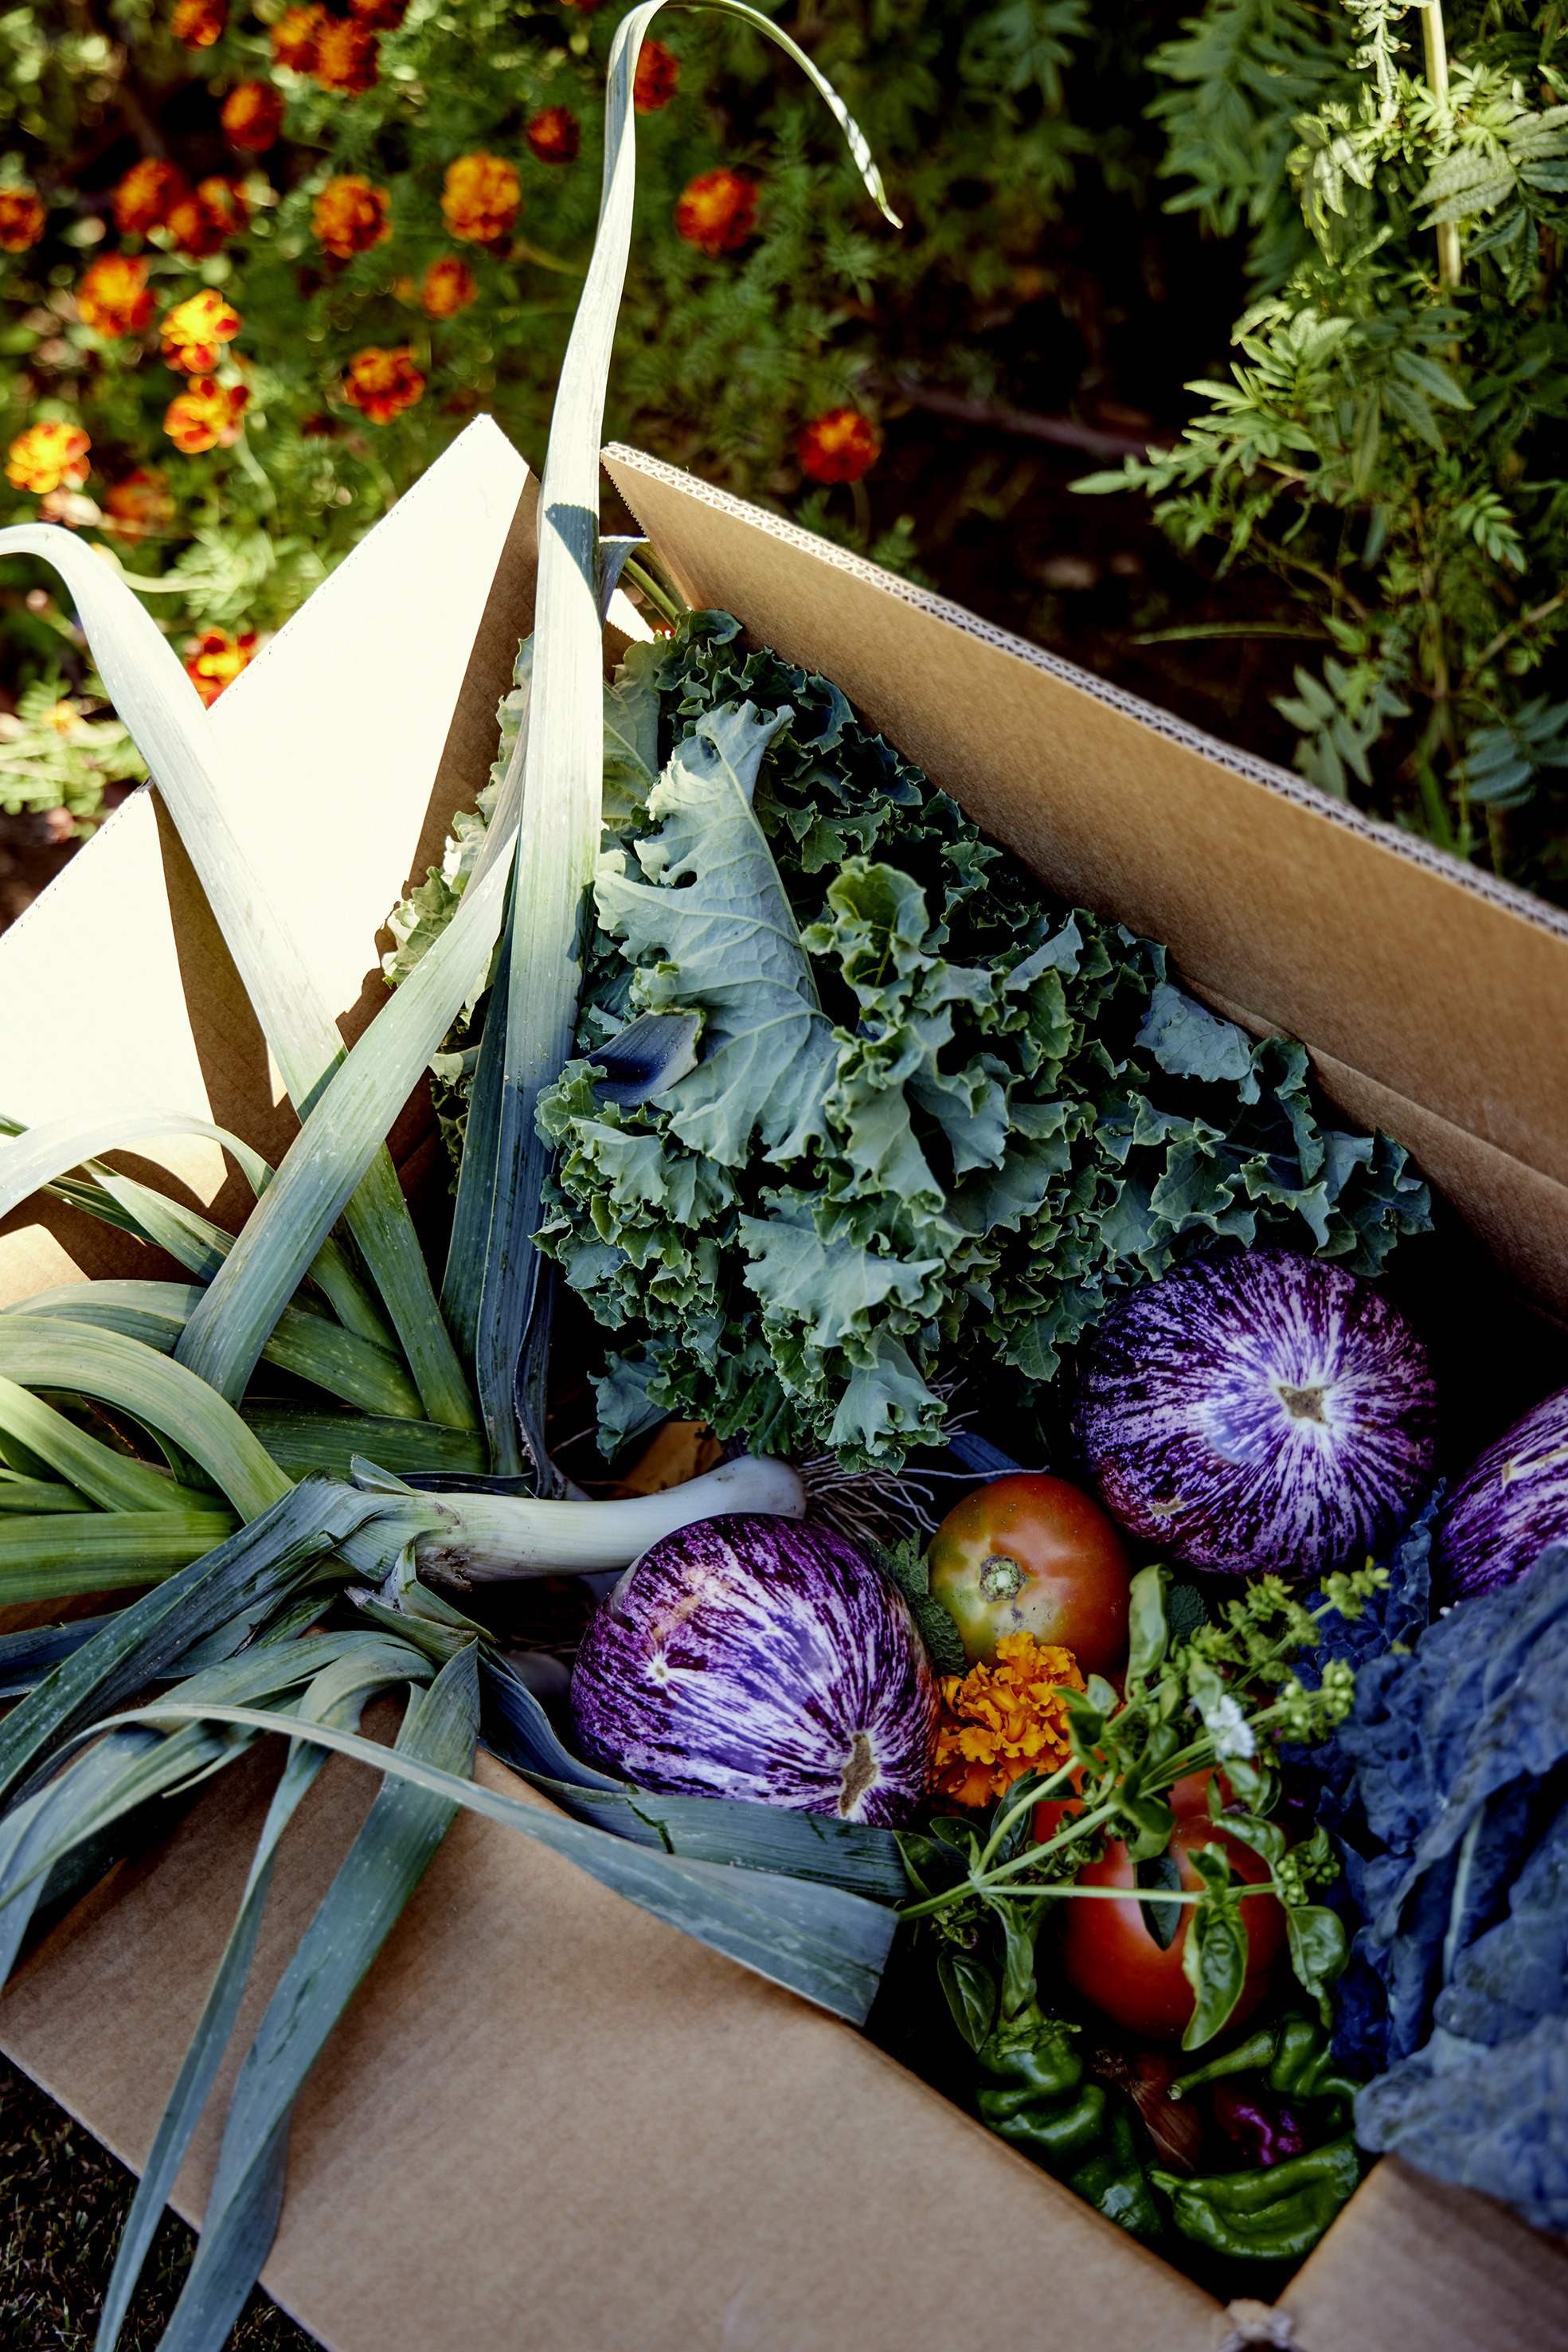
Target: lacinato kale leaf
937, 1117
1455, 1834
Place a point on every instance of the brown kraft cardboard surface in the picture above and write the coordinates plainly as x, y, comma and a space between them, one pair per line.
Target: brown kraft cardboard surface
546, 2118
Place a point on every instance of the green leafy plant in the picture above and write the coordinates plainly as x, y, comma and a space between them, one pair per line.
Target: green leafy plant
1385, 442
1220, 1700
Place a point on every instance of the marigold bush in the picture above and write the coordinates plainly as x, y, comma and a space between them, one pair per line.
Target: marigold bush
448, 286
21, 219
207, 415
195, 331
50, 456
554, 135
716, 211
380, 384
838, 447
217, 658
114, 297
350, 216
481, 199
252, 116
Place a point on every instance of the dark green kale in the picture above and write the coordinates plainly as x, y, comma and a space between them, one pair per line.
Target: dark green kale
940, 1119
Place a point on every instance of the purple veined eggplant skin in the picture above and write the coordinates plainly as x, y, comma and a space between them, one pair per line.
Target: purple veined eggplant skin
1510, 1505
1261, 1414
761, 1659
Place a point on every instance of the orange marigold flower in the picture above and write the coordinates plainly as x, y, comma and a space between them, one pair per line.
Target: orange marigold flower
49, 456
653, 83
202, 222
207, 415
1000, 1721
381, 384
139, 505
554, 136
482, 197
449, 286
716, 211
114, 296
838, 447
348, 55
21, 219
295, 36
252, 116
199, 23
215, 659
350, 216
381, 15
144, 197
195, 331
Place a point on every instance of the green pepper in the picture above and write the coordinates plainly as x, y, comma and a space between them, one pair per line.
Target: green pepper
1115, 2182
1277, 2215
1298, 2061
1037, 2098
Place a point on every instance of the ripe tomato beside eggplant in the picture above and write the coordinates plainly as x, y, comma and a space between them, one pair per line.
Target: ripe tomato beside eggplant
1107, 1951
1031, 1554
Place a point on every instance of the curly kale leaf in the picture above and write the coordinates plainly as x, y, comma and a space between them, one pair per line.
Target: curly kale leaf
938, 1116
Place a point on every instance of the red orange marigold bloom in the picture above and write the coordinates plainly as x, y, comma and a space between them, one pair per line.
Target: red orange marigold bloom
216, 659
554, 136
350, 216
49, 456
839, 447
381, 384
381, 15
449, 286
21, 219
195, 331
202, 222
716, 211
653, 83
199, 23
139, 505
348, 55
144, 197
295, 36
252, 116
114, 296
207, 415
481, 199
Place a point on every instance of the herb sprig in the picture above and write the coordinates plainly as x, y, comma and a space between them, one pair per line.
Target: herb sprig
1216, 1702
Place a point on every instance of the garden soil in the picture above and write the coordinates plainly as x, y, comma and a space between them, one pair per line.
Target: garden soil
547, 2116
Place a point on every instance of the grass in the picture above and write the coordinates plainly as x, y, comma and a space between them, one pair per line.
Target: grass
62, 2201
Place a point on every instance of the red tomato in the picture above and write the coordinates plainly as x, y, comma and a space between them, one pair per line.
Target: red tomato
1030, 1554
1115, 1962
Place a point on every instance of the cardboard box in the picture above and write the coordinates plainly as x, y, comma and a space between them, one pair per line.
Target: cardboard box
546, 2118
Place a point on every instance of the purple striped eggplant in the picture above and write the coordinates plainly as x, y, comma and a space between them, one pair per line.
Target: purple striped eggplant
1261, 1414
1509, 1506
760, 1658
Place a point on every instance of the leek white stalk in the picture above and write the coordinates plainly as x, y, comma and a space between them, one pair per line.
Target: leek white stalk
475, 1539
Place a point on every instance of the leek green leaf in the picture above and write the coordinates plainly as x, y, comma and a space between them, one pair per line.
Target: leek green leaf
336, 1694
817, 1940
52, 1556
259, 1566
38, 1352
385, 1863
148, 687
112, 1480
309, 1346
299, 1442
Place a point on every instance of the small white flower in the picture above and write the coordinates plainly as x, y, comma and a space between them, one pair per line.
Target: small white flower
1230, 1730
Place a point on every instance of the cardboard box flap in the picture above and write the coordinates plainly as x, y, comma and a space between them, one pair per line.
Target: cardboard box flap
350, 740
1425, 977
